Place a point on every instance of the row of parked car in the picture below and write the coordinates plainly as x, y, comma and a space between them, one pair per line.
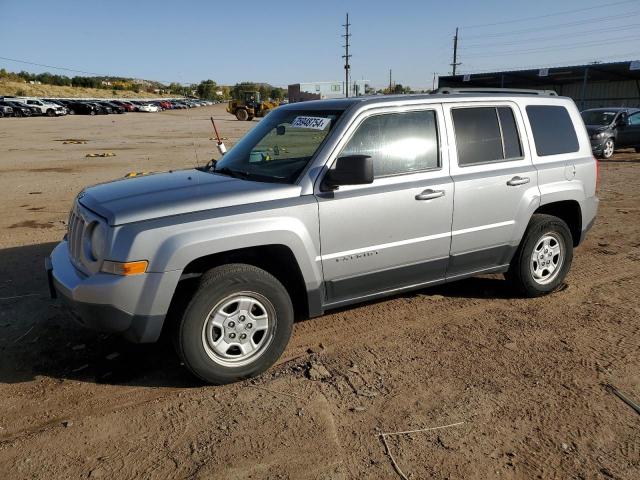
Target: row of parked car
56, 107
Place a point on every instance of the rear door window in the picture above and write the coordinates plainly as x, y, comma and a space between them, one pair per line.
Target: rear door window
486, 135
553, 131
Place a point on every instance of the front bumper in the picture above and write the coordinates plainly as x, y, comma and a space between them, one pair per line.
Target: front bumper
133, 306
597, 145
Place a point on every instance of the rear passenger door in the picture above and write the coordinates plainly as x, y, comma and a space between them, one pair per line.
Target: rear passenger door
496, 185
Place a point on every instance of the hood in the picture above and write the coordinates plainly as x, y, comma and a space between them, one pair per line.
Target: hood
592, 129
174, 193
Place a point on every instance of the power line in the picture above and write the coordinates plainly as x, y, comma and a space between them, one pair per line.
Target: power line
74, 70
524, 19
593, 43
548, 37
555, 26
569, 63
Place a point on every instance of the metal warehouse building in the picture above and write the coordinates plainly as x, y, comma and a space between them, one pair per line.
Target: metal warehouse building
595, 85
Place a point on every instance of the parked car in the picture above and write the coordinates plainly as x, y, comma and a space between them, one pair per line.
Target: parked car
100, 109
82, 108
45, 108
129, 107
325, 204
19, 109
148, 107
612, 128
57, 102
6, 111
111, 107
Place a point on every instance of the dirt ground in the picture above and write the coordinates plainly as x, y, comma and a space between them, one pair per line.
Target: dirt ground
525, 376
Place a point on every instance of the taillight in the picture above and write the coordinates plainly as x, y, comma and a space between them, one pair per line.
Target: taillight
597, 175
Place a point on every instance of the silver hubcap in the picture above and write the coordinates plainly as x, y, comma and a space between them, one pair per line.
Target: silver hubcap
608, 148
239, 329
547, 258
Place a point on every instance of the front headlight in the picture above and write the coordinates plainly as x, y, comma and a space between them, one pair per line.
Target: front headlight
598, 135
97, 242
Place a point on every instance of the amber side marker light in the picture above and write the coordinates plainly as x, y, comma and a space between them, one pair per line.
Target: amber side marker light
125, 268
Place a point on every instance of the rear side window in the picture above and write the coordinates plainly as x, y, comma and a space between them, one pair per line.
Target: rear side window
398, 142
553, 131
486, 135
634, 119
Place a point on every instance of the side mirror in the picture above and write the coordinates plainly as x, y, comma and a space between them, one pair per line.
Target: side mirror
350, 170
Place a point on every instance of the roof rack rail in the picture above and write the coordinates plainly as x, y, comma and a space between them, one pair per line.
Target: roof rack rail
523, 91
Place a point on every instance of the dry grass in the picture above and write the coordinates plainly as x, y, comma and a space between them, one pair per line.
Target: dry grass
9, 87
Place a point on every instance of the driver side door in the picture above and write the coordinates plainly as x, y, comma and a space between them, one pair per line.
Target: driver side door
629, 132
393, 234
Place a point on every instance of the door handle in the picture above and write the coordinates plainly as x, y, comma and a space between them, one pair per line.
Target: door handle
429, 194
515, 181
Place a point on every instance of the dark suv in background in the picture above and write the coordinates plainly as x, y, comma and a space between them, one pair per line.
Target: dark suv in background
612, 128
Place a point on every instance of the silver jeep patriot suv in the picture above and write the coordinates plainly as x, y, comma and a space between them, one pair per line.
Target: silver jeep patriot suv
325, 204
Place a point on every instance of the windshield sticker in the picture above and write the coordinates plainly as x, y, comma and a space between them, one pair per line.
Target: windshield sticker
316, 123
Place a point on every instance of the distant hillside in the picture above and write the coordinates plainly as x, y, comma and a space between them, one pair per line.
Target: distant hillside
10, 87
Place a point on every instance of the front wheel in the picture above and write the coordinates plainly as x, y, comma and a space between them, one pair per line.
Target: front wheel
608, 148
242, 114
543, 258
51, 113
236, 326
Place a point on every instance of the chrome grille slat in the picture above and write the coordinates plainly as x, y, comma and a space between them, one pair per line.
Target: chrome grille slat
74, 236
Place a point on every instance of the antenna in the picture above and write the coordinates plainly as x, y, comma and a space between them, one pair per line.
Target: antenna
346, 56
455, 52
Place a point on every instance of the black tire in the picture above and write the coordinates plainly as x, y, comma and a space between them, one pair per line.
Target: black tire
216, 287
608, 148
51, 113
92, 112
17, 113
72, 112
242, 114
637, 149
250, 118
520, 271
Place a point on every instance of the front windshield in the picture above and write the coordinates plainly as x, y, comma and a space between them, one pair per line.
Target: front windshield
279, 148
598, 117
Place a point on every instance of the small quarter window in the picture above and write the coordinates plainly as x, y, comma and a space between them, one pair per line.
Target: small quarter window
398, 142
486, 135
553, 131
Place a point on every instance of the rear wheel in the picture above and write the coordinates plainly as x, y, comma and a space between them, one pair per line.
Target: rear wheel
242, 114
543, 258
236, 326
72, 112
608, 148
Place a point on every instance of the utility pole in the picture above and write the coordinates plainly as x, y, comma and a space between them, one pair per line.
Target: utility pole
346, 56
455, 52
390, 83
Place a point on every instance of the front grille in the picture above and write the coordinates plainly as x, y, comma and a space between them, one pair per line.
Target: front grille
74, 236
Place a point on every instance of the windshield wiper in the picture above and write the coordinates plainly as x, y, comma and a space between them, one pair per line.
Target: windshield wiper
231, 173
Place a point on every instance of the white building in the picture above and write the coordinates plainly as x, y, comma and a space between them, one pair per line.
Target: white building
299, 92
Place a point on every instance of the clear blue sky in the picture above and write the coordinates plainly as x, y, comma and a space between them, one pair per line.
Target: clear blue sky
284, 41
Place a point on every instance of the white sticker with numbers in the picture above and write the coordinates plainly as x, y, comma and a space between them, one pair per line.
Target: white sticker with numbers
315, 123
